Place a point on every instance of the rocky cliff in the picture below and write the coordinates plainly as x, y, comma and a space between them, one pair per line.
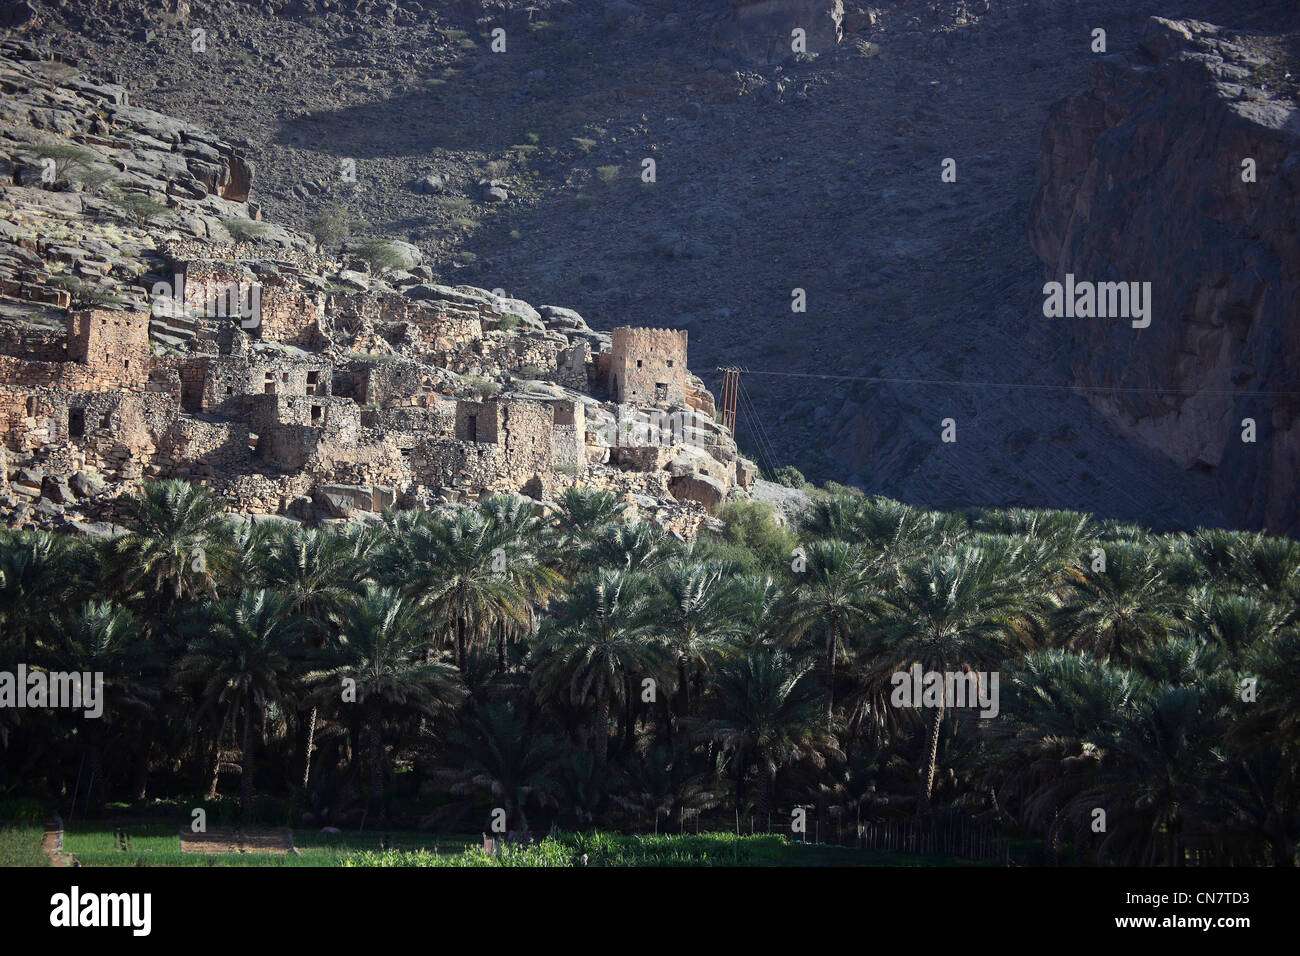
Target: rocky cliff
1179, 166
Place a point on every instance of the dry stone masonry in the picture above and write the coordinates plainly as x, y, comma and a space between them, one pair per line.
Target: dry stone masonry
294, 383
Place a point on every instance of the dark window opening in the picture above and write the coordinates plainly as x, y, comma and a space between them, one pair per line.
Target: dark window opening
31, 408
471, 428
661, 391
230, 390
311, 382
106, 420
638, 363
76, 422
670, 363
126, 363
315, 413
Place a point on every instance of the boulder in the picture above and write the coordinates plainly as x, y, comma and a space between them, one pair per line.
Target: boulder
705, 489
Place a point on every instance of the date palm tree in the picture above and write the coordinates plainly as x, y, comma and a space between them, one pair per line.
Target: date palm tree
458, 570
519, 556
380, 668
600, 639
245, 664
179, 546
1116, 611
318, 571
578, 516
696, 611
947, 612
832, 596
106, 639
768, 715
501, 750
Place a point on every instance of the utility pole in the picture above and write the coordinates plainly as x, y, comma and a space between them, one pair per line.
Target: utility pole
730, 389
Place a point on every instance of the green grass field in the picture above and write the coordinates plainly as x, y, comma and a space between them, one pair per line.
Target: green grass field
158, 844
20, 845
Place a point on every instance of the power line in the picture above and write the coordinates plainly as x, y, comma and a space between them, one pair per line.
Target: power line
755, 426
765, 443
953, 383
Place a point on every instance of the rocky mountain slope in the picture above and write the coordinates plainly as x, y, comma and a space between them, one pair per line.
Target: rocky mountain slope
1180, 166
150, 328
774, 171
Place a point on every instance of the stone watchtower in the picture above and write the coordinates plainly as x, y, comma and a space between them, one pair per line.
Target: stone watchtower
648, 365
113, 345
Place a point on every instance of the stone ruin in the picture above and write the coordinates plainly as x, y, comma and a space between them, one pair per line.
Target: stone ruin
297, 384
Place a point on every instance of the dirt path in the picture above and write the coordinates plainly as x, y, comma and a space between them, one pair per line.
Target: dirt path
50, 844
238, 840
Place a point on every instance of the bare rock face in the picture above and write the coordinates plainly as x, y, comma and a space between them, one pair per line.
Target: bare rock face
761, 30
1146, 177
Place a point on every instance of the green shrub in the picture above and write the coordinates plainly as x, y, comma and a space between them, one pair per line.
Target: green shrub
482, 387
380, 255
329, 227
65, 157
245, 230
138, 207
789, 476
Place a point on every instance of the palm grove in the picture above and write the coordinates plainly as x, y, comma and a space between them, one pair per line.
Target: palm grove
571, 665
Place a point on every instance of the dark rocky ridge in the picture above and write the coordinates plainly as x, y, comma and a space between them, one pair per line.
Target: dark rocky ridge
818, 173
1142, 179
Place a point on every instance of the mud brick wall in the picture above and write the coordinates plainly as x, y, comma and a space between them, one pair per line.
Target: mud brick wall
287, 447
435, 421
527, 427
364, 463
263, 494
444, 330
117, 432
207, 287
648, 365
568, 435
338, 419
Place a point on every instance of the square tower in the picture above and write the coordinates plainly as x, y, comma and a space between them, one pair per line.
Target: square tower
648, 366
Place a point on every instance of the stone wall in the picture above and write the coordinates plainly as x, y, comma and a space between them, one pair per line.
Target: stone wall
290, 317
388, 383
230, 380
114, 346
648, 365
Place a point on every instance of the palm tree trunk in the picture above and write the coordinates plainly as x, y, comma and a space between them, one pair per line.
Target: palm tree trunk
684, 685
766, 788
830, 670
216, 755
932, 758
141, 787
376, 765
460, 643
602, 727
501, 647
246, 771
311, 741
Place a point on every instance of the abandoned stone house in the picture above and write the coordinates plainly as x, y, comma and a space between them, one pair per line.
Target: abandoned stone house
648, 366
369, 429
